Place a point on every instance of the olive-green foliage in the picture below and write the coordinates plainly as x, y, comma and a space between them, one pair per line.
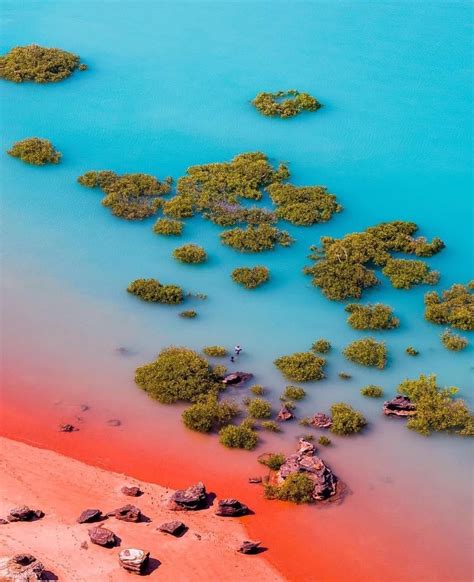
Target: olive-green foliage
272, 460
455, 307
436, 408
258, 390
168, 227
259, 408
344, 376
367, 352
293, 393
297, 488
345, 267
377, 316
324, 441
271, 425
188, 314
179, 207
225, 214
215, 351
190, 253
35, 151
251, 277
346, 420
372, 391
410, 350
285, 104
301, 366
209, 414
304, 205
154, 291
453, 341
238, 437
219, 371
321, 346
177, 374
38, 64
255, 239
130, 196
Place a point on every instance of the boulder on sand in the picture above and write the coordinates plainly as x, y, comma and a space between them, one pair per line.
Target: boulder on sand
399, 406
89, 515
194, 497
285, 413
126, 513
231, 508
102, 536
24, 513
175, 528
21, 568
131, 491
249, 547
236, 378
133, 560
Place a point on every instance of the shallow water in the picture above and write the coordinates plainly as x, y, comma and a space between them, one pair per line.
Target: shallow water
168, 87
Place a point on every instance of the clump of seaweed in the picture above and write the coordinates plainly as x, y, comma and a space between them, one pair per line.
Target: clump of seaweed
285, 104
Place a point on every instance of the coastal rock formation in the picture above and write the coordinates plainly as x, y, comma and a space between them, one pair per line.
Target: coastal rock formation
321, 420
249, 547
237, 378
305, 461
21, 568
89, 515
133, 560
399, 406
126, 513
131, 491
24, 513
194, 497
102, 536
285, 414
175, 528
231, 508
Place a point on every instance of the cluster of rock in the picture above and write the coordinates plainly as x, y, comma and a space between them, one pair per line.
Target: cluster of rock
285, 414
320, 420
21, 568
192, 498
23, 513
305, 461
399, 406
231, 508
134, 560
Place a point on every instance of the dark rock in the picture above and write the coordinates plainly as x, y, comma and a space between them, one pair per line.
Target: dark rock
89, 515
3, 521
193, 497
175, 528
236, 378
249, 547
399, 406
285, 413
255, 479
114, 422
84, 407
133, 560
67, 428
231, 508
126, 513
321, 420
102, 536
131, 491
24, 513
21, 568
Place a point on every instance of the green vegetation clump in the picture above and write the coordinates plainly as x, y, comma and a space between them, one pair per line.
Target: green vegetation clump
303, 205
258, 390
410, 350
179, 207
324, 441
272, 460
35, 151
178, 374
255, 239
455, 307
321, 346
251, 277
209, 414
367, 352
377, 316
345, 267
238, 437
297, 488
38, 64
285, 104
436, 408
271, 426
372, 391
215, 351
188, 314
259, 408
190, 253
344, 376
293, 393
301, 366
346, 420
168, 227
154, 291
453, 341
130, 196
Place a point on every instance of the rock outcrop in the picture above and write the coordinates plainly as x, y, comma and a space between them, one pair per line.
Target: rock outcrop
237, 378
21, 568
24, 513
399, 406
134, 560
126, 513
90, 515
285, 413
102, 537
175, 528
320, 420
131, 491
192, 498
231, 508
249, 547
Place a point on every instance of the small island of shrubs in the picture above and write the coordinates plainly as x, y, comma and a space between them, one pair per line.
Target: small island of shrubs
293, 393
321, 346
377, 316
190, 253
301, 366
285, 104
215, 351
152, 290
372, 391
367, 352
297, 488
168, 227
35, 151
259, 408
455, 307
251, 277
346, 420
208, 414
255, 239
238, 437
410, 350
453, 341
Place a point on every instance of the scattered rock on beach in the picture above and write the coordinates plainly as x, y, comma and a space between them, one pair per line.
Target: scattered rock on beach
133, 560
102, 536
231, 508
89, 515
236, 378
321, 420
399, 406
21, 568
3, 521
131, 491
249, 547
126, 513
194, 497
67, 428
24, 513
175, 528
285, 414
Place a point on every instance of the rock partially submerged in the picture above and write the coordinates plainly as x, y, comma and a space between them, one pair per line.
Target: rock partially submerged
399, 406
255, 480
126, 513
102, 537
131, 491
114, 422
175, 528
90, 515
134, 560
231, 508
285, 414
237, 378
21, 568
249, 547
320, 420
305, 461
24, 513
192, 498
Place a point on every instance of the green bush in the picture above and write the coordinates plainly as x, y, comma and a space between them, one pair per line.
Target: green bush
255, 239
251, 277
346, 420
324, 441
455, 307
209, 414
271, 426
38, 64
35, 151
453, 341
97, 179
372, 391
238, 437
367, 352
215, 351
190, 253
293, 393
297, 488
177, 374
344, 376
410, 350
404, 274
154, 291
259, 408
258, 390
188, 314
272, 460
285, 104
371, 316
321, 346
168, 227
301, 366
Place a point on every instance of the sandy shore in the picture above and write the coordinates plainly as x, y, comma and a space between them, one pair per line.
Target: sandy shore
63, 487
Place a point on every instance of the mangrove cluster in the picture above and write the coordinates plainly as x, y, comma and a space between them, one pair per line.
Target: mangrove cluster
35, 151
190, 253
455, 307
251, 277
346, 420
301, 366
284, 104
155, 292
367, 352
453, 341
377, 316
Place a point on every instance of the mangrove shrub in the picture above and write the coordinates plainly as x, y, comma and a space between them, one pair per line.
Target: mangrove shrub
190, 253
255, 239
367, 352
168, 227
35, 151
453, 341
346, 420
455, 307
251, 277
154, 291
377, 316
238, 437
284, 104
301, 366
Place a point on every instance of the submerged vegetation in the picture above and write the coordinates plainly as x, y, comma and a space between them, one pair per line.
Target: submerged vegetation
410, 350
153, 291
372, 391
285, 104
168, 227
367, 352
255, 239
188, 314
321, 346
455, 307
35, 151
453, 341
251, 277
190, 253
38, 64
377, 316
346, 420
301, 366
238, 437
324, 441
